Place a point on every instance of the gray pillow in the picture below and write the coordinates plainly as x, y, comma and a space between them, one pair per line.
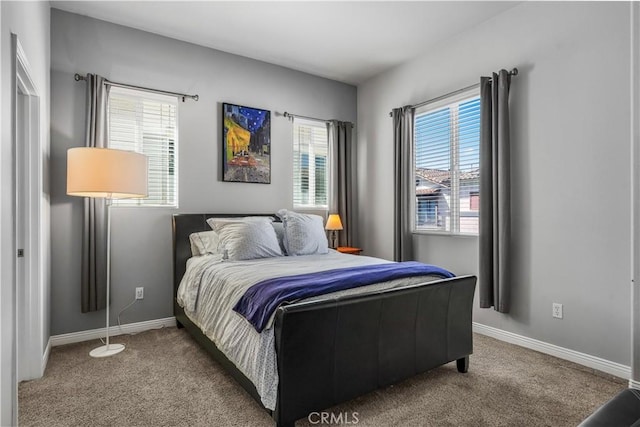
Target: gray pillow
279, 228
246, 239
303, 233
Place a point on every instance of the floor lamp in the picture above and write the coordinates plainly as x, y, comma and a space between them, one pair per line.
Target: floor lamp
108, 174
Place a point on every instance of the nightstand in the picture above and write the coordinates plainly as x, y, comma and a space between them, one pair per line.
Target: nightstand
348, 250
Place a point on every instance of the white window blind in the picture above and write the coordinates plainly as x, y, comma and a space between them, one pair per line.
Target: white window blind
147, 123
447, 164
310, 163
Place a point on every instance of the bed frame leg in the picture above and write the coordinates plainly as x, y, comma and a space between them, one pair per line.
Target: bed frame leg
463, 364
179, 325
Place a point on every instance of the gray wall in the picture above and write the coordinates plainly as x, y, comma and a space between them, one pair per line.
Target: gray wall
30, 21
571, 169
141, 237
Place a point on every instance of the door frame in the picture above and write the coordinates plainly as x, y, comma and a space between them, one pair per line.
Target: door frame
28, 179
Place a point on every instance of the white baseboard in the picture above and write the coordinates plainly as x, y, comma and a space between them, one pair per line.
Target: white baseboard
634, 384
129, 328
613, 368
584, 359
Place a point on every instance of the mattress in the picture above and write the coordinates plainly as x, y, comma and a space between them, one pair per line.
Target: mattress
211, 287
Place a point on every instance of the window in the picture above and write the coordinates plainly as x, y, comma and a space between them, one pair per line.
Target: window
447, 161
310, 175
148, 124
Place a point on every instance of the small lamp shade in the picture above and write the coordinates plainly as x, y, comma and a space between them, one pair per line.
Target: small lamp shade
106, 172
333, 222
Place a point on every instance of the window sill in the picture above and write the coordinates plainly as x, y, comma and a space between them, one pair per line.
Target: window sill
310, 209
443, 234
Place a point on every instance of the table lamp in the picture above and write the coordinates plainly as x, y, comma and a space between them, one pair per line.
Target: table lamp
333, 224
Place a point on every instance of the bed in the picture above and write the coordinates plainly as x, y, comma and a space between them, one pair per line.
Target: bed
330, 350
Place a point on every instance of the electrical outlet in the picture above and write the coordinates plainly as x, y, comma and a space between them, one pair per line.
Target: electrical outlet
140, 293
557, 310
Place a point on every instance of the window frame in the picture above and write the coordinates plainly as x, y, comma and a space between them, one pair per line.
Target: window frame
312, 160
143, 94
457, 97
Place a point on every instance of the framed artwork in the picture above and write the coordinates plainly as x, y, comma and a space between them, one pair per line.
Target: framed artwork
246, 144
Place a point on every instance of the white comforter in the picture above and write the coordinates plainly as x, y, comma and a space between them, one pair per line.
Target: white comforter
211, 288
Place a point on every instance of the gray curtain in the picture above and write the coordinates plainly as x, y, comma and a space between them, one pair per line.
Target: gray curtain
495, 192
403, 177
343, 180
94, 229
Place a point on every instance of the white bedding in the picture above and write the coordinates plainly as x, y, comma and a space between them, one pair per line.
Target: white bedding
211, 288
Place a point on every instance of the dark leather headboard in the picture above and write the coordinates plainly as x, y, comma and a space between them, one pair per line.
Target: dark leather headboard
183, 226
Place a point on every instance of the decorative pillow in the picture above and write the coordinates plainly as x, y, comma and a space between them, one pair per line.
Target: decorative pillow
303, 233
205, 242
279, 228
247, 239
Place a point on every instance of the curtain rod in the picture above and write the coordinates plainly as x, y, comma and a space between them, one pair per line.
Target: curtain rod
78, 77
290, 116
513, 72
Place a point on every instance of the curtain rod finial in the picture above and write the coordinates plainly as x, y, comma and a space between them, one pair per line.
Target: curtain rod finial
78, 77
514, 72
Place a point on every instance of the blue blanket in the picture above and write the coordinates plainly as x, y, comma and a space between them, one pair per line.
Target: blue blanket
261, 300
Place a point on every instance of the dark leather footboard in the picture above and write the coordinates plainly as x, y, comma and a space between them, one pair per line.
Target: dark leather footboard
332, 351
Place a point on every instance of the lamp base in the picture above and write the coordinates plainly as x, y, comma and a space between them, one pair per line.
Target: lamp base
106, 350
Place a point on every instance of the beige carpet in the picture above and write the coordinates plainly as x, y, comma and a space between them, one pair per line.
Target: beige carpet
163, 378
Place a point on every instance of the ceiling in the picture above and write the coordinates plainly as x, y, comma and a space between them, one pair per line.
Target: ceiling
345, 41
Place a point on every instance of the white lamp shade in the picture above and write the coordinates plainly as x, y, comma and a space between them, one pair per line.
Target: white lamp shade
333, 222
106, 172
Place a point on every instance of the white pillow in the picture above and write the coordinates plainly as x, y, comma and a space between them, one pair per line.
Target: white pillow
303, 233
247, 239
205, 242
